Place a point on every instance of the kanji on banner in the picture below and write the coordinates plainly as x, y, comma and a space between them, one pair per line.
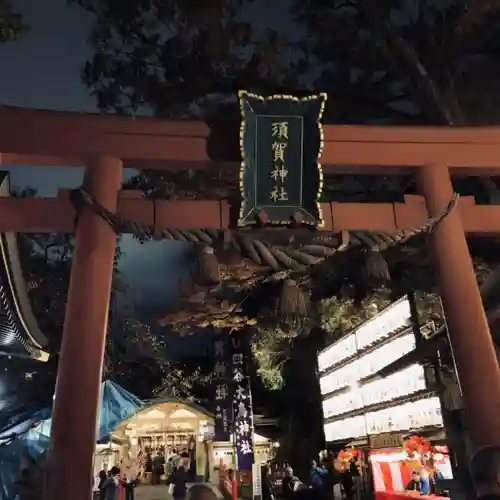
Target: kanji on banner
242, 404
222, 388
281, 141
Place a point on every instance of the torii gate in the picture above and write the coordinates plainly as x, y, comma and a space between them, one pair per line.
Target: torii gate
104, 145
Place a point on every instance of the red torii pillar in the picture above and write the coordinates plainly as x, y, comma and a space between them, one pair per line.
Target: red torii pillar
470, 337
69, 472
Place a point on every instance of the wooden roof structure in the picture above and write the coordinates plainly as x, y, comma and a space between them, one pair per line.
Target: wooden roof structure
20, 334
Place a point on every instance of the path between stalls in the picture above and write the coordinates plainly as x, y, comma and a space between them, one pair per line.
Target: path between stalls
152, 493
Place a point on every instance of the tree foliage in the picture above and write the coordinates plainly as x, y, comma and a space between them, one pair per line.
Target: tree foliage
333, 318
12, 24
388, 60
330, 320
435, 62
174, 58
134, 348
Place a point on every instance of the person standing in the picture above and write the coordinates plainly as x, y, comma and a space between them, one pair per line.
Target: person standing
347, 482
148, 463
267, 484
425, 483
435, 477
157, 469
129, 486
103, 475
288, 484
180, 478
328, 479
175, 459
112, 484
317, 477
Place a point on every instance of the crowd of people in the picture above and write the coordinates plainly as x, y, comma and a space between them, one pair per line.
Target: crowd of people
319, 484
176, 468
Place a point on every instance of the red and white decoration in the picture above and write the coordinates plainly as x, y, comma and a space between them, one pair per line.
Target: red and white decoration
391, 471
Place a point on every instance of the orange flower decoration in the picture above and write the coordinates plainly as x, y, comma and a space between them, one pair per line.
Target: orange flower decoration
348, 454
417, 444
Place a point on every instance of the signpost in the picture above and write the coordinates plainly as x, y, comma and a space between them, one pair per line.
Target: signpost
281, 179
386, 440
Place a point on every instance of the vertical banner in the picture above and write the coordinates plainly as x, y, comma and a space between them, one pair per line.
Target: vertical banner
222, 388
242, 403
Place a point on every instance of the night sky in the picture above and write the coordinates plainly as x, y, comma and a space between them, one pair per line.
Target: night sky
43, 71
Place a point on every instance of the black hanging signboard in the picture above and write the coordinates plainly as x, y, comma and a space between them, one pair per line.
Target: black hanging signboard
222, 388
281, 140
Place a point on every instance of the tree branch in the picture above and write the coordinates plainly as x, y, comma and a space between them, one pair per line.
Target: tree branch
414, 73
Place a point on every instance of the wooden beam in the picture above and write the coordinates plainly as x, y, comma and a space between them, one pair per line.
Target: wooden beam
58, 215
24, 215
113, 124
375, 157
39, 137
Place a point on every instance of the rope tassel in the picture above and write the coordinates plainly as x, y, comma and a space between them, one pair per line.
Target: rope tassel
293, 301
206, 269
375, 265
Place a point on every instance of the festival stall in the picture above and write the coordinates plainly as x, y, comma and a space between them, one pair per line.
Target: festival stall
29, 441
376, 414
392, 467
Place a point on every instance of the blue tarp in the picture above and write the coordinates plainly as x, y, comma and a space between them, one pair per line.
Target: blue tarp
117, 404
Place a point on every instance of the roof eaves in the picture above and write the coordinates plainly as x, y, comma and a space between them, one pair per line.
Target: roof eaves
14, 300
